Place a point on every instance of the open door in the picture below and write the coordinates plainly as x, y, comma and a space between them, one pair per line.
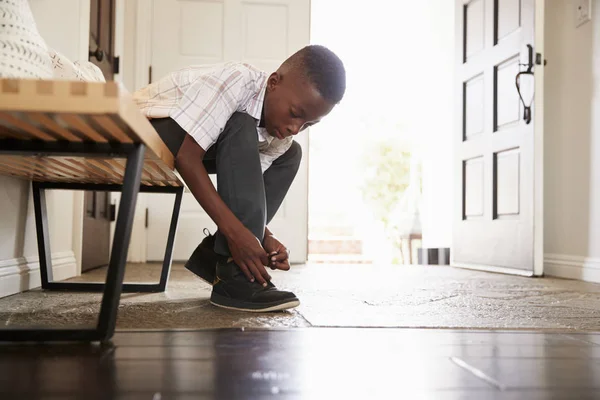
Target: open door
263, 34
97, 216
102, 37
495, 217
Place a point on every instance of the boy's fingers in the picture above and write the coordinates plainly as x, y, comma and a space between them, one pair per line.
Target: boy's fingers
262, 276
256, 273
280, 257
284, 266
246, 271
264, 259
265, 274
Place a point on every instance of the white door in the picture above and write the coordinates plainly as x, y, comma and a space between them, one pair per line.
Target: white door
497, 218
262, 33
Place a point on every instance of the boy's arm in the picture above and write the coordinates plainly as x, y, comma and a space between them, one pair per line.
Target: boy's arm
245, 248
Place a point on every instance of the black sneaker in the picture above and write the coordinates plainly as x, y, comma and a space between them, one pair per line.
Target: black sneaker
203, 261
232, 290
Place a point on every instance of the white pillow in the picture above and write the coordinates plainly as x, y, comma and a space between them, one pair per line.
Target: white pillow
63, 68
23, 52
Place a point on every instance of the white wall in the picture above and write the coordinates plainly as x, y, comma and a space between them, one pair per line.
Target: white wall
64, 24
572, 143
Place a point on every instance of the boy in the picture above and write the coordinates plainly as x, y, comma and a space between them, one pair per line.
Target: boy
238, 122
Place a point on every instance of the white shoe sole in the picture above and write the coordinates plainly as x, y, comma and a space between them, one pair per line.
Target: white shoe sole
279, 307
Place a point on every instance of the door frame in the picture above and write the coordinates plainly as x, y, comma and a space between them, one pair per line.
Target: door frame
538, 158
134, 21
538, 144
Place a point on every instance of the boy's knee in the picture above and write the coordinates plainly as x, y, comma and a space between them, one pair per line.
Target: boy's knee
295, 153
241, 128
242, 121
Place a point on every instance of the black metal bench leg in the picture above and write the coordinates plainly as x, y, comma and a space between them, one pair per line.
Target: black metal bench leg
48, 283
118, 257
166, 269
43, 238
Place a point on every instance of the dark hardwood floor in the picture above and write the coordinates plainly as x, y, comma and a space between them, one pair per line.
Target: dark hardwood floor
309, 363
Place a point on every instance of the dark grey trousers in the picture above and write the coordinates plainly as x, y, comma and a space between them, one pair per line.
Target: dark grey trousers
252, 196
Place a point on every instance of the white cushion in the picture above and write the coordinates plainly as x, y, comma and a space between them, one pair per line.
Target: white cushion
23, 52
63, 68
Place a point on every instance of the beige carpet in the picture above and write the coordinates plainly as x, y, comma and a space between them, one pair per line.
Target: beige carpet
333, 295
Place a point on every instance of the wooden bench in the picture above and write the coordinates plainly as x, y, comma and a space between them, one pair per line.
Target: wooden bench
75, 135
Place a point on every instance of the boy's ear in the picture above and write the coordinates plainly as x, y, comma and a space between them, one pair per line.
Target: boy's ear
273, 80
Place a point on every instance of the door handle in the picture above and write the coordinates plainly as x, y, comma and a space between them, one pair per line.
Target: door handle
99, 54
529, 64
528, 71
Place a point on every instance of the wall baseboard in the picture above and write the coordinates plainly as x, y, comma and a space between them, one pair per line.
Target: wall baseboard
572, 267
23, 273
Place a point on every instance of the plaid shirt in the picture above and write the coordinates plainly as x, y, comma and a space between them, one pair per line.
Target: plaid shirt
201, 99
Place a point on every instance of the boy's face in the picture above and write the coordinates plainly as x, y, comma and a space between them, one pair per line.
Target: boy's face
292, 104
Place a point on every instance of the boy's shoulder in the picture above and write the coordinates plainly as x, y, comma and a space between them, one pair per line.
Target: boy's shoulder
224, 68
244, 67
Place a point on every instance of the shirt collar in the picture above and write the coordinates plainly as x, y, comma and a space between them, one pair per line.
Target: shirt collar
255, 105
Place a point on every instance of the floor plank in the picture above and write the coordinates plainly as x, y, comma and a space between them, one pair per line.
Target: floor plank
309, 363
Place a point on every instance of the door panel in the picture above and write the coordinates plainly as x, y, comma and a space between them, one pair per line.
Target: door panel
474, 12
261, 33
474, 107
494, 152
506, 98
96, 230
509, 18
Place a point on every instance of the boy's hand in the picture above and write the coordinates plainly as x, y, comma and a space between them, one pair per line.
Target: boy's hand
249, 255
278, 253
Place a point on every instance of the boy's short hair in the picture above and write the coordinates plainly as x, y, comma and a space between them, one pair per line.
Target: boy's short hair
323, 69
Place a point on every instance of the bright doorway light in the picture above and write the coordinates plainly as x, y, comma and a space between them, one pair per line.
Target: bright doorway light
365, 197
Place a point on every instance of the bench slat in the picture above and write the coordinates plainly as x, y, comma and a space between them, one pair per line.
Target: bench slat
78, 123
51, 125
112, 129
24, 126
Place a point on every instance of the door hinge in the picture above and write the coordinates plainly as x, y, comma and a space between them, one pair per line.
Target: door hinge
113, 212
149, 74
146, 221
116, 65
